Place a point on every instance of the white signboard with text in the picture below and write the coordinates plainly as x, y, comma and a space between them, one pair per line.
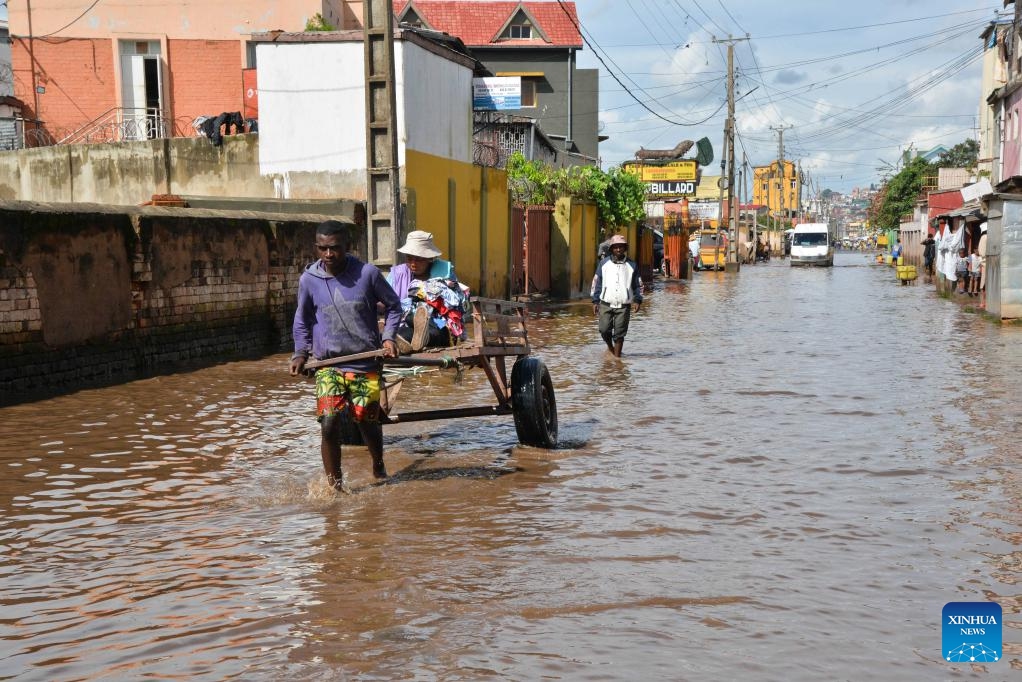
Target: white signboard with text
497, 93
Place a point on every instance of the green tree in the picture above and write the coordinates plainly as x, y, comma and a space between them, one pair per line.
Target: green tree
317, 23
962, 155
624, 199
900, 194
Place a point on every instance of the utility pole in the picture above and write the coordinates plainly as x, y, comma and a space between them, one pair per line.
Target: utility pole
748, 199
781, 185
798, 199
383, 191
733, 263
32, 66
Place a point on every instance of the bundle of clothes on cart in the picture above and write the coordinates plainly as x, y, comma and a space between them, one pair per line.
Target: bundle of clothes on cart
444, 303
433, 302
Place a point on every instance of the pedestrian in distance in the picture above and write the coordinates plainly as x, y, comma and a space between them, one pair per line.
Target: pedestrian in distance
896, 252
337, 316
929, 254
616, 293
974, 272
982, 248
962, 270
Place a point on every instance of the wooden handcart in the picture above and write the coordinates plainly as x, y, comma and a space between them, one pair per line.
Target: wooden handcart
498, 331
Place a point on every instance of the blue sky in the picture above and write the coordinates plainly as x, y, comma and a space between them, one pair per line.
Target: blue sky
857, 81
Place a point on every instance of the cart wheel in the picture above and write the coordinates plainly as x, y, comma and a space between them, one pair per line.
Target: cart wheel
533, 403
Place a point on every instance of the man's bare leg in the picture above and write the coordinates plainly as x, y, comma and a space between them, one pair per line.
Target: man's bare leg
372, 434
330, 449
618, 345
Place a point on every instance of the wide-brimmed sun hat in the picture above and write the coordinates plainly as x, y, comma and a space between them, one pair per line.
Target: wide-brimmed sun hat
618, 239
419, 243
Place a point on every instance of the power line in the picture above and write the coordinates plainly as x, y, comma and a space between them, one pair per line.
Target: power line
831, 30
630, 93
71, 23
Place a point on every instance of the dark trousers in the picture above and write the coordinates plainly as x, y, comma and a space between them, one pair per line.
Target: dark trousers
614, 321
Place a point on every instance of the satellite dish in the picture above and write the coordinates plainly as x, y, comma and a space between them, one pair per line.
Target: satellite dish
600, 126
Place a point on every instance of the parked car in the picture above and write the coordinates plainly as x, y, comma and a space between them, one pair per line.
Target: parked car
712, 250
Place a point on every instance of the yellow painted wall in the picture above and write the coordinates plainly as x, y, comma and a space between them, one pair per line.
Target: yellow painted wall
467, 208
574, 239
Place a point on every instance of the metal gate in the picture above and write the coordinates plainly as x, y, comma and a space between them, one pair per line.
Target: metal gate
537, 248
675, 255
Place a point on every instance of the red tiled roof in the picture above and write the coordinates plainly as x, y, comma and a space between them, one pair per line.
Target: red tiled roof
477, 23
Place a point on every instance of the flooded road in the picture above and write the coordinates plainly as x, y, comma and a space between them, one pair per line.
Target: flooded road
787, 476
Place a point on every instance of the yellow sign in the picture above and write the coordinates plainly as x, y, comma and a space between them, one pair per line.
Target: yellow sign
673, 171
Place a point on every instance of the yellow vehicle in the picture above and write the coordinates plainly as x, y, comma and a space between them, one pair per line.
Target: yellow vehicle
712, 250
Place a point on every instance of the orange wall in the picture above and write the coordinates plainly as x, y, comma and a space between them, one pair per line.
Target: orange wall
205, 79
212, 19
201, 77
78, 76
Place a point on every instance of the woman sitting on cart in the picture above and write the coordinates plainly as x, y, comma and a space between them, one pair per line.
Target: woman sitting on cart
432, 299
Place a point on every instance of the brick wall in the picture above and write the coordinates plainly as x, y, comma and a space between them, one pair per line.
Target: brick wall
78, 77
201, 77
205, 77
99, 295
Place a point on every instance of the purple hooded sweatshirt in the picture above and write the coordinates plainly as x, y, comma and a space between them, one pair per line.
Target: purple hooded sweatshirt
336, 314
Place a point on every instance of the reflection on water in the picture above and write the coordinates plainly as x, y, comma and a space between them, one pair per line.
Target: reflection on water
787, 475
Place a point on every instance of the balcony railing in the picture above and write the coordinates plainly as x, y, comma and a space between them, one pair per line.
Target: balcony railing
120, 124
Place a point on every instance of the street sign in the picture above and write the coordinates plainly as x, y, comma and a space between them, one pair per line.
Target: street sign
704, 210
684, 170
671, 189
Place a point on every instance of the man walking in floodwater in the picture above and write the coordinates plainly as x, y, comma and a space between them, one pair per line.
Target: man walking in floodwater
616, 290
336, 316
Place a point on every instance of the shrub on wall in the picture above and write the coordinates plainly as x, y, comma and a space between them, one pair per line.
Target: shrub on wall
619, 196
317, 23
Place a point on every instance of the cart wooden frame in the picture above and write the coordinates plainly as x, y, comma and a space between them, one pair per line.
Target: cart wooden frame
499, 331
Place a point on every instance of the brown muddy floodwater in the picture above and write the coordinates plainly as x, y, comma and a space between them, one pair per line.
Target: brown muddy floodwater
786, 477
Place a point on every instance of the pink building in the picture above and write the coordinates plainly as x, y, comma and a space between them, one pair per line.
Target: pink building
154, 64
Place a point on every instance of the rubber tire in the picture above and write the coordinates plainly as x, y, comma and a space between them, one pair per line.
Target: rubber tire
533, 403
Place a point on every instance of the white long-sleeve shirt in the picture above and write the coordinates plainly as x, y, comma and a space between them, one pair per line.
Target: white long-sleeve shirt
616, 284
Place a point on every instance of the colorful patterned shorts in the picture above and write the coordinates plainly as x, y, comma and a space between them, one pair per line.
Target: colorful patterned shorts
335, 389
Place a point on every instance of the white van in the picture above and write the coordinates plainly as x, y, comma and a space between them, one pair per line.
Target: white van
810, 245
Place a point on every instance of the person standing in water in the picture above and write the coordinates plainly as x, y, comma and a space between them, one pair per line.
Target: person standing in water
337, 316
616, 293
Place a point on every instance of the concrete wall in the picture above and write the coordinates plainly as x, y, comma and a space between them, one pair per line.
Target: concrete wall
467, 208
312, 106
91, 294
129, 173
434, 104
1004, 259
